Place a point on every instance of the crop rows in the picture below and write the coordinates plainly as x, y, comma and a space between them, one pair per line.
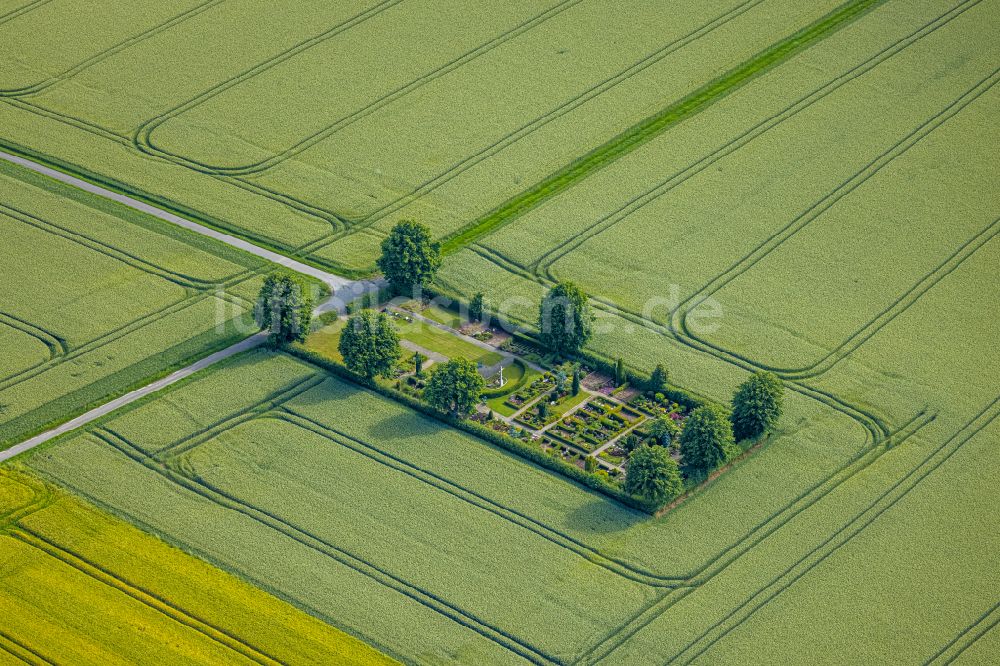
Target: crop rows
42, 498
149, 599
339, 226
108, 325
335, 553
656, 124
964, 640
180, 473
541, 267
144, 142
477, 158
839, 538
814, 212
117, 48
102, 570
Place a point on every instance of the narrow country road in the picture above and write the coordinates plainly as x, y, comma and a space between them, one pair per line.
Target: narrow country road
121, 401
342, 291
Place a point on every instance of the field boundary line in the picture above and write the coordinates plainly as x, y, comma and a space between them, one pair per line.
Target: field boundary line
140, 137
107, 53
440, 483
541, 265
530, 128
379, 103
954, 648
146, 597
149, 319
23, 9
834, 542
112, 252
644, 131
340, 555
814, 212
23, 651
273, 400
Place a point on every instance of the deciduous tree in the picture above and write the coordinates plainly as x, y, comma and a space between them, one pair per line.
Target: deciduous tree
653, 475
663, 429
283, 310
658, 380
565, 321
410, 257
757, 405
369, 344
476, 306
707, 439
455, 387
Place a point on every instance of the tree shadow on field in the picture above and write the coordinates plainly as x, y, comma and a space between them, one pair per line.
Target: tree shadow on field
408, 425
603, 515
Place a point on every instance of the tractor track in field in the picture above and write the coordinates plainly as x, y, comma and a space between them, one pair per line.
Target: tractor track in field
24, 9
340, 226
140, 138
145, 137
11, 526
884, 502
275, 400
677, 327
530, 128
23, 651
178, 476
392, 461
897, 307
879, 435
954, 648
342, 291
653, 126
613, 641
38, 87
543, 264
147, 598
125, 257
57, 346
190, 299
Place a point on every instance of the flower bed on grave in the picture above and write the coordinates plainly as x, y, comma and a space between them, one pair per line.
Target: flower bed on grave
596, 423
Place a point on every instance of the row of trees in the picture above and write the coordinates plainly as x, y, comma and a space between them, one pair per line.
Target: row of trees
707, 441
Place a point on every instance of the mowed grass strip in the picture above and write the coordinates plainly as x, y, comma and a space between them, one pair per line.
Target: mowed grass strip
656, 125
82, 587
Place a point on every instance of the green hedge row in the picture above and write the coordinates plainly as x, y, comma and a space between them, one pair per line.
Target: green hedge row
532, 453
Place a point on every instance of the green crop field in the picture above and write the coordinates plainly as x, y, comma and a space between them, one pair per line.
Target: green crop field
369, 492
808, 188
840, 213
99, 298
442, 133
81, 587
